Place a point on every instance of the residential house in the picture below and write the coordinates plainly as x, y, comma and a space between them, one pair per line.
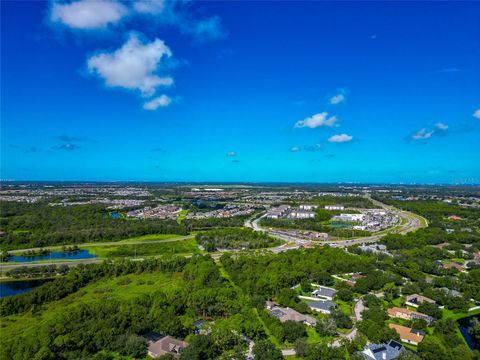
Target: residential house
353, 279
389, 351
286, 314
408, 335
307, 207
166, 345
451, 292
415, 300
324, 292
453, 265
407, 314
323, 306
334, 207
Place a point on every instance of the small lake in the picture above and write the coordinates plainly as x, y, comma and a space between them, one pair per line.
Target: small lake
54, 255
463, 325
10, 288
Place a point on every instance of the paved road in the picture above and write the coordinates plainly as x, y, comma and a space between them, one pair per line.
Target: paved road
411, 223
359, 307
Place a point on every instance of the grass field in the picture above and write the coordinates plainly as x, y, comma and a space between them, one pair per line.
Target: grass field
188, 246
153, 237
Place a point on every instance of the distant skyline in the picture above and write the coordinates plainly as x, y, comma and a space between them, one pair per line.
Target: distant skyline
308, 92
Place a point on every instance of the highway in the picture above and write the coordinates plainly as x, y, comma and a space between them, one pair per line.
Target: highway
411, 222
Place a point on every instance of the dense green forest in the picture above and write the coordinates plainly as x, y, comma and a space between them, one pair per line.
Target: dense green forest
104, 318
39, 225
241, 238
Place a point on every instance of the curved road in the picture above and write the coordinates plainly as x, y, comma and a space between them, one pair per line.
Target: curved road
412, 222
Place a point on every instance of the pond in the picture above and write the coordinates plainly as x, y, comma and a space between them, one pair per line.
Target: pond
115, 215
10, 288
464, 325
54, 255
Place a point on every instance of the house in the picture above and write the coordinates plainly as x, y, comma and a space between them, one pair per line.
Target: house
323, 306
334, 207
166, 345
302, 214
453, 265
349, 217
407, 314
324, 292
388, 351
415, 300
270, 304
454, 217
353, 279
451, 292
441, 245
286, 314
308, 207
408, 335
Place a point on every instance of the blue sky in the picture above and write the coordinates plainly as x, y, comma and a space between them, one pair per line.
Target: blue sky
257, 91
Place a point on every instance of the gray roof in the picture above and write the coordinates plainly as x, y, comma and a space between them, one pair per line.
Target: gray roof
388, 351
285, 314
321, 304
324, 291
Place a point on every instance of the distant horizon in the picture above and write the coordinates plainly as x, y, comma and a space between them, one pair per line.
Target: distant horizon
261, 183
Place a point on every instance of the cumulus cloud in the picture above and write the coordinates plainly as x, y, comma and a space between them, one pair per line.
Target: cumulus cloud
99, 14
340, 138
134, 66
423, 134
441, 126
231, 153
149, 6
88, 14
337, 99
476, 114
294, 149
154, 104
317, 120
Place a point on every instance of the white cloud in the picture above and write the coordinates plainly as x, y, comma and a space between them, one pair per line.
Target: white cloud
337, 99
133, 66
154, 104
476, 114
88, 14
340, 138
317, 120
423, 134
441, 126
149, 6
294, 149
231, 153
